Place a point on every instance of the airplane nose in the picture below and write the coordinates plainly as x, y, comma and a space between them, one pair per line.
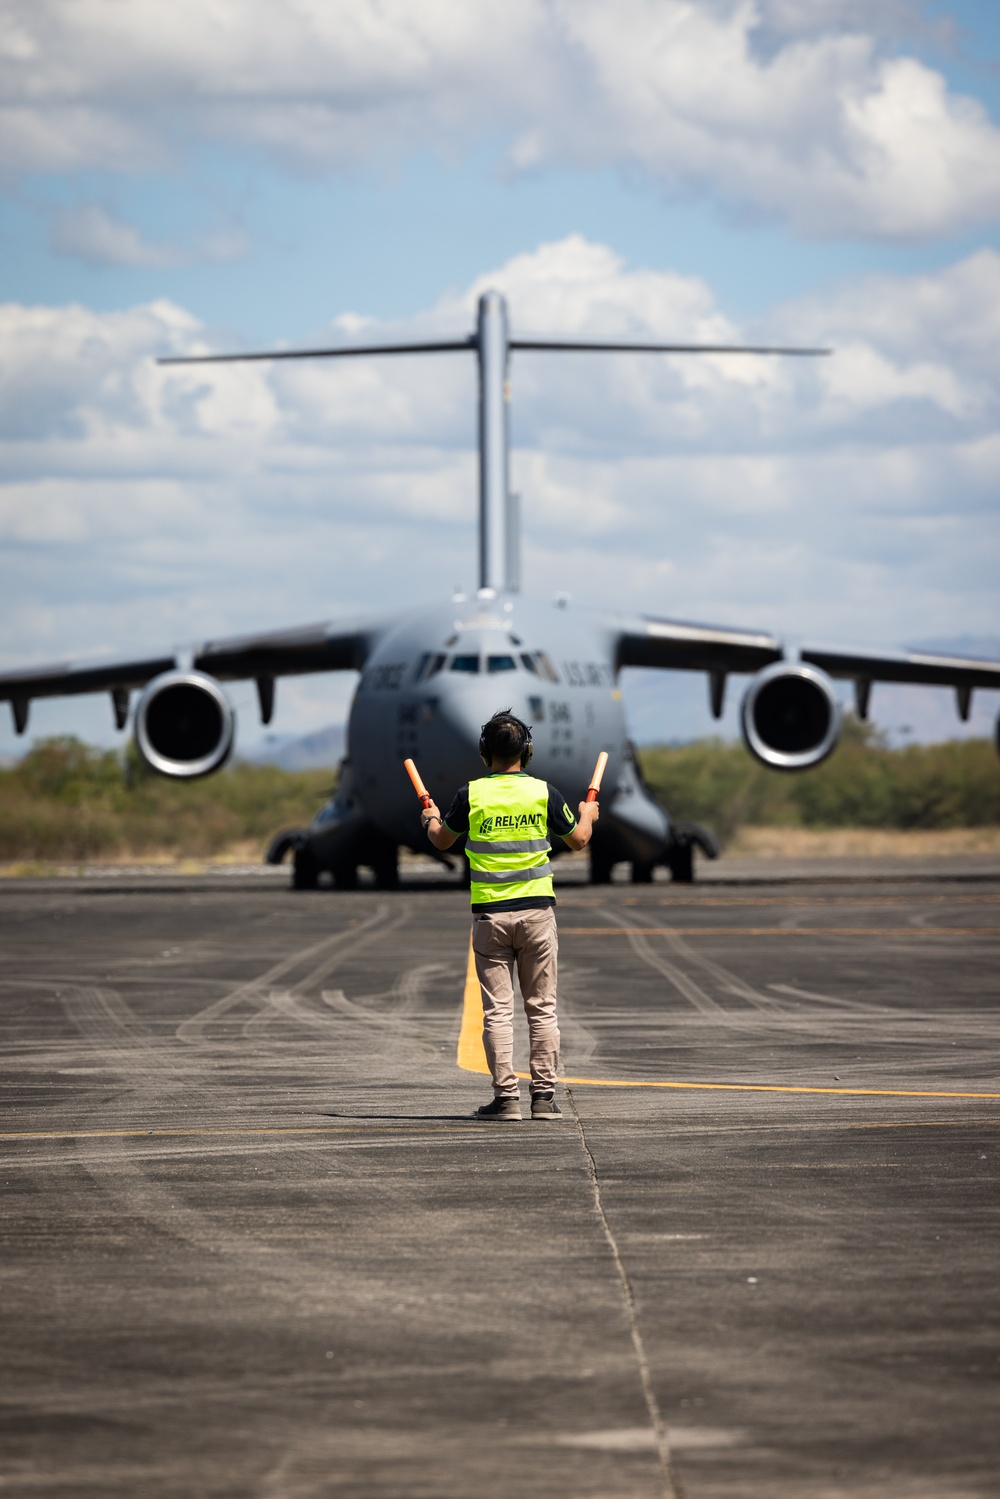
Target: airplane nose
465, 704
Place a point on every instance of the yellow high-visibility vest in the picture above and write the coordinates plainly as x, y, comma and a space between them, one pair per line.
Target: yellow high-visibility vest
508, 847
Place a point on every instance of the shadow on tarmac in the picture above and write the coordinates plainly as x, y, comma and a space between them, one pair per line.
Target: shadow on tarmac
467, 1118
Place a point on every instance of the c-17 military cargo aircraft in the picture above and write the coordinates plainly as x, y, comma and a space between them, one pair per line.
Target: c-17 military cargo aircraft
431, 677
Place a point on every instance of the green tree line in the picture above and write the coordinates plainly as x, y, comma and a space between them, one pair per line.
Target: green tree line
66, 802
864, 784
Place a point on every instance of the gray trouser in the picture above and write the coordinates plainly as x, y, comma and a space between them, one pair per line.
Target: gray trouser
528, 938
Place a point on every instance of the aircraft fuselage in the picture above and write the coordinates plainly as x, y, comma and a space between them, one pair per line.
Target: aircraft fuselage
431, 680
436, 676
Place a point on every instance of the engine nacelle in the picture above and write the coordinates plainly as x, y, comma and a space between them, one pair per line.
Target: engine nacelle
790, 716
184, 725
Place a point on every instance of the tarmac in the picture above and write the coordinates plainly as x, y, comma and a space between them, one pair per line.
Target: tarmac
253, 1245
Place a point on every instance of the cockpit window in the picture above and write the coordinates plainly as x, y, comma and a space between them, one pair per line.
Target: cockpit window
528, 662
421, 664
436, 663
501, 663
545, 667
465, 663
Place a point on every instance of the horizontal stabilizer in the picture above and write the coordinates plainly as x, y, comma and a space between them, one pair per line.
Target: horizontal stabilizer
451, 346
618, 346
345, 351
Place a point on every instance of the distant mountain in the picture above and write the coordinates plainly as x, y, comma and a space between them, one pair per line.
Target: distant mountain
986, 646
321, 750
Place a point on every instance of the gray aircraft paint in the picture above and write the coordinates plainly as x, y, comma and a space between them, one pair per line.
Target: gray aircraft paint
437, 720
562, 680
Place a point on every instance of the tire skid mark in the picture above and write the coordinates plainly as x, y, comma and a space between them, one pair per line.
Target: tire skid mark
408, 991
281, 1270
727, 981
132, 1180
685, 986
192, 1032
841, 1026
579, 1041
279, 1005
412, 1020
724, 978
149, 1066
854, 1006
134, 1060
784, 1019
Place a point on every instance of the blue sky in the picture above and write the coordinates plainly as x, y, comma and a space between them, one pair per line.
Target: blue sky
199, 176
384, 237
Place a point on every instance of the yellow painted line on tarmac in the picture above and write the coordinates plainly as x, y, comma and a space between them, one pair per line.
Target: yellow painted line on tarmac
472, 1058
967, 1122
780, 931
603, 1082
681, 902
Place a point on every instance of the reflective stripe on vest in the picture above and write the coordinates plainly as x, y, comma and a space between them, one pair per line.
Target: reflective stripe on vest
508, 846
505, 866
507, 876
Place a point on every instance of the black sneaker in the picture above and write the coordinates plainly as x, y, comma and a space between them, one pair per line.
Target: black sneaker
500, 1108
544, 1106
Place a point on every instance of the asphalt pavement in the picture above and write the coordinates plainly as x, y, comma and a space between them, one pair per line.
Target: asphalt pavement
252, 1243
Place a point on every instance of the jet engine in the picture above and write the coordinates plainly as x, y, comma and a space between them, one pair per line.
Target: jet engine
790, 716
184, 725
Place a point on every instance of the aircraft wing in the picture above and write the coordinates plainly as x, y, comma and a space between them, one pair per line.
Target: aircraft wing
674, 645
924, 668
282, 653
309, 648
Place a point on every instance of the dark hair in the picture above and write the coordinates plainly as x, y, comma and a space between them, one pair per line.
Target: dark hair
505, 738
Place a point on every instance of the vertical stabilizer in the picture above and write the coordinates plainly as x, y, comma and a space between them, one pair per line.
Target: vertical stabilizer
499, 511
492, 345
513, 543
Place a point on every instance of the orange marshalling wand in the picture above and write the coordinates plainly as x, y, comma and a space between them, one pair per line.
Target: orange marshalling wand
597, 777
418, 785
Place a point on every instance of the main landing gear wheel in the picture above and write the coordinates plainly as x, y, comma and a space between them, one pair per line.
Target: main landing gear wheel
642, 874
600, 867
680, 857
305, 870
680, 862
345, 875
385, 868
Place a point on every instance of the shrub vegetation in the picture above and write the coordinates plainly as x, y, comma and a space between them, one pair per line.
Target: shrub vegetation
67, 802
864, 784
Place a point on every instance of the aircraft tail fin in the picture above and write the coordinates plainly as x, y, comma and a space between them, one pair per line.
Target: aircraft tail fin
499, 510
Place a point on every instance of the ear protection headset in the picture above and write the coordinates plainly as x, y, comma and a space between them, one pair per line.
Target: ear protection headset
485, 754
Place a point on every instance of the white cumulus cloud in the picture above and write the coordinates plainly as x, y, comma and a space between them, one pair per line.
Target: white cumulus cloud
848, 500
87, 231
817, 115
